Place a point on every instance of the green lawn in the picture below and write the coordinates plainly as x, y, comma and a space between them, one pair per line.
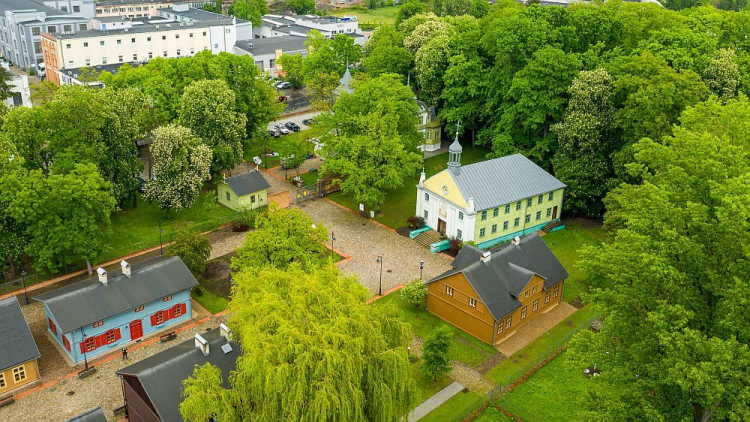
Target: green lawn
566, 244
308, 178
529, 355
379, 16
427, 386
401, 203
213, 302
464, 348
550, 394
456, 408
138, 228
491, 414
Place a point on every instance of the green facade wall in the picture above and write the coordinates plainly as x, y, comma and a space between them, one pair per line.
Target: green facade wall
241, 202
510, 217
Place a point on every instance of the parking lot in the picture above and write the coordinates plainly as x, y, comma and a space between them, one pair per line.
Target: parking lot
296, 119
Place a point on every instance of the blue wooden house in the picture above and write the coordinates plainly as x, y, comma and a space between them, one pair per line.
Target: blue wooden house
101, 314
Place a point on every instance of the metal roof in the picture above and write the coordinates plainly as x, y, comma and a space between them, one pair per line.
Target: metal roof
500, 181
17, 345
501, 279
246, 183
89, 301
162, 374
260, 46
94, 415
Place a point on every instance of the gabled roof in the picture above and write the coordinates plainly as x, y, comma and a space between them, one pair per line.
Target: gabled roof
162, 374
501, 279
89, 301
246, 183
94, 415
500, 181
17, 345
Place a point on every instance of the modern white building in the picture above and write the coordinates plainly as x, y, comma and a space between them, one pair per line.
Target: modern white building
19, 89
131, 8
135, 44
300, 25
267, 51
488, 202
182, 12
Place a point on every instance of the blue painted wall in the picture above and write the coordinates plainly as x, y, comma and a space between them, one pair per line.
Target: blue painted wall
121, 321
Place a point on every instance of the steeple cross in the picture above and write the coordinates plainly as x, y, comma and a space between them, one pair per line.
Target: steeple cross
458, 126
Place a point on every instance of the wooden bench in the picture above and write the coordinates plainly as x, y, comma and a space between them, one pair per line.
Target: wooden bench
168, 337
7, 400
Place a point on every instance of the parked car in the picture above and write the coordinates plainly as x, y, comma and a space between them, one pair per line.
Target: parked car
282, 129
274, 133
142, 184
283, 85
307, 122
294, 127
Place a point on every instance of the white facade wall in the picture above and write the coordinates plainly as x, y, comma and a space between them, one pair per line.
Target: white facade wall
143, 46
439, 208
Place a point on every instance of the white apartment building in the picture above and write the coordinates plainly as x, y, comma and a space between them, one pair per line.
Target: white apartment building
137, 44
300, 25
184, 12
131, 8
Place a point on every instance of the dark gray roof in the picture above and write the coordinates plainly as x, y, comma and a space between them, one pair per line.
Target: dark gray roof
89, 301
500, 280
287, 44
16, 342
193, 13
145, 28
246, 183
121, 2
499, 181
111, 68
423, 106
37, 5
162, 374
94, 415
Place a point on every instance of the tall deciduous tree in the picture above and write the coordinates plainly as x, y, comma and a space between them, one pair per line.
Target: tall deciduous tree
675, 334
722, 74
293, 65
312, 350
208, 109
302, 7
431, 62
585, 142
409, 9
250, 10
329, 55
375, 149
384, 52
281, 237
181, 164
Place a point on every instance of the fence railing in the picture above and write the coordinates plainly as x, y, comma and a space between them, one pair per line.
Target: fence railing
504, 386
10, 285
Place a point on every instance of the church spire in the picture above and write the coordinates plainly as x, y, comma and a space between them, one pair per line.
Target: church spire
454, 154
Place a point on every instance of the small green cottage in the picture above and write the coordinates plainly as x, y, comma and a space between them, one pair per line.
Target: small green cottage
244, 191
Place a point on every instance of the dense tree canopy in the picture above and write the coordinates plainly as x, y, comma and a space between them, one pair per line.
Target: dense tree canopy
312, 350
674, 343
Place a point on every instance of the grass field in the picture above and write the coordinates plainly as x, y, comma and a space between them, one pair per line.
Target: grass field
457, 406
213, 302
379, 16
401, 203
138, 228
465, 348
550, 395
491, 414
528, 356
566, 244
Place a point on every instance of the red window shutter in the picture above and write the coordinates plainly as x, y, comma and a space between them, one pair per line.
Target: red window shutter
117, 334
153, 319
100, 340
170, 312
183, 308
52, 326
83, 347
66, 343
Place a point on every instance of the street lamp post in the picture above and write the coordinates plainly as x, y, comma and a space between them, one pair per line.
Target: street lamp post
380, 284
85, 359
23, 280
421, 267
161, 247
333, 237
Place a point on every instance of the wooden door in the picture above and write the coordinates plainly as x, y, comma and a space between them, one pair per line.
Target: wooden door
554, 212
136, 329
441, 226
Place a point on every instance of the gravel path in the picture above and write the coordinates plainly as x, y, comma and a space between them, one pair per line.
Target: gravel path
535, 328
470, 378
364, 240
103, 389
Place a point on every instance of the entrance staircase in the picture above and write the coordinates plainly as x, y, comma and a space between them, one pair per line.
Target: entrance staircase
548, 228
428, 238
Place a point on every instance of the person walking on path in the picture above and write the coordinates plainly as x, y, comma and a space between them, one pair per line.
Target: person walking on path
124, 354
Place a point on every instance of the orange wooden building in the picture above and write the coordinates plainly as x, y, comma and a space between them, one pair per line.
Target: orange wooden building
492, 294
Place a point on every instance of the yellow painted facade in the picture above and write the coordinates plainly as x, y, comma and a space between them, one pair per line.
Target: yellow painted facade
539, 212
253, 200
436, 183
18, 376
533, 292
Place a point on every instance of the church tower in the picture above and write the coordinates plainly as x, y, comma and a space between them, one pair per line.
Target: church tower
454, 154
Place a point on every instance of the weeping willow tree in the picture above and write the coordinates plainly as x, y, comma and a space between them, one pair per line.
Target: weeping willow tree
312, 350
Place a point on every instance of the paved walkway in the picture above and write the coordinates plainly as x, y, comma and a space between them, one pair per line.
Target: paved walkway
536, 328
435, 401
363, 241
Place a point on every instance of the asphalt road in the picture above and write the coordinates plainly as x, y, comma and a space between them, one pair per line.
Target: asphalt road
296, 119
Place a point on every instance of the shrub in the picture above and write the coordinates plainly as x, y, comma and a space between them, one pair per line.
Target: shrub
244, 219
415, 222
435, 353
193, 248
455, 246
414, 292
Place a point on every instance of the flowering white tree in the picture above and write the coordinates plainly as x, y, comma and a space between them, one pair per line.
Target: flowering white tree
181, 164
722, 75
